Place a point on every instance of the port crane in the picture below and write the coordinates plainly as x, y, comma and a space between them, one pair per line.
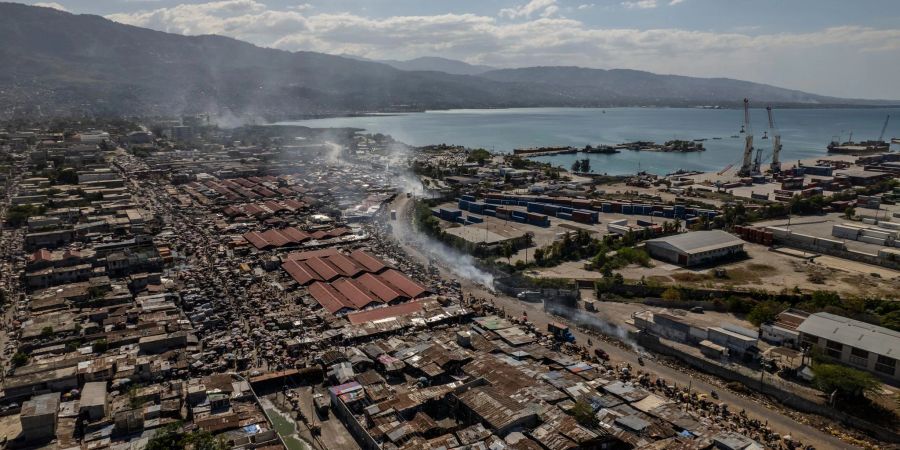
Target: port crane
748, 142
776, 142
884, 128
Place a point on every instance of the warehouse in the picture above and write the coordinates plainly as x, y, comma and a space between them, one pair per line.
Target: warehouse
696, 247
858, 344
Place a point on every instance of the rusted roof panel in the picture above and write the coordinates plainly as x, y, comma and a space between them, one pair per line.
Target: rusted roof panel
371, 263
328, 297
326, 271
378, 287
352, 292
402, 282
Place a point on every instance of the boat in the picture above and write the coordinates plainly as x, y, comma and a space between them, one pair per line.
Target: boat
765, 135
895, 140
858, 148
717, 138
742, 129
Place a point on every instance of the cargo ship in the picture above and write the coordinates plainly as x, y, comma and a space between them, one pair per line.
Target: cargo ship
858, 148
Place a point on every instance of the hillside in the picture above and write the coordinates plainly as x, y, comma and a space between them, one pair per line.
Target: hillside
60, 64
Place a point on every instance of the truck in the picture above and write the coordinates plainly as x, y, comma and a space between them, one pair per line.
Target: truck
560, 332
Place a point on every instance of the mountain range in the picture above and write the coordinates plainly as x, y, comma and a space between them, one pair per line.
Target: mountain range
59, 63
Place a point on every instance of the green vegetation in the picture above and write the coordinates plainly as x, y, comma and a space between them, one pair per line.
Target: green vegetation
584, 414
100, 346
16, 216
46, 332
19, 359
479, 155
173, 437
764, 312
846, 381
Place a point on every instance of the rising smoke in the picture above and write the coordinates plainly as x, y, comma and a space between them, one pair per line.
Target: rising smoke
584, 319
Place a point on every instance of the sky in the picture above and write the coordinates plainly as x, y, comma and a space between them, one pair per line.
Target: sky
830, 47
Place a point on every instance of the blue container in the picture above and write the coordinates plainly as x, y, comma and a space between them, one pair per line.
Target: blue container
436, 213
468, 198
521, 203
562, 215
463, 205
565, 209
518, 219
627, 209
657, 214
475, 219
493, 201
606, 207
518, 214
490, 212
534, 207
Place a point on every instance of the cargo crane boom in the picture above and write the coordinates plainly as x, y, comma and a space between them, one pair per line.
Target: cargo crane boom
748, 142
776, 142
884, 128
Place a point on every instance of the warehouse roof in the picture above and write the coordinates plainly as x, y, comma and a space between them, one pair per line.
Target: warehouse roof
698, 241
865, 336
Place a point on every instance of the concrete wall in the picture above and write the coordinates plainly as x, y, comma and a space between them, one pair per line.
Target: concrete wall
783, 395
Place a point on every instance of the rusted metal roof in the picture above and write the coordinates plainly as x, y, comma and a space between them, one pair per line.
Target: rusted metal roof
400, 281
371, 263
378, 287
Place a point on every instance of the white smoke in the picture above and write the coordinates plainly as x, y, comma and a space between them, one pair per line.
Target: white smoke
590, 321
333, 153
459, 264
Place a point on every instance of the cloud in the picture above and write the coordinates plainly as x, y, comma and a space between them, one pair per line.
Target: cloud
53, 5
584, 6
640, 4
675, 2
533, 34
545, 8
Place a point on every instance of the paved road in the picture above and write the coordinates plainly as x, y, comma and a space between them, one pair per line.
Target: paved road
780, 423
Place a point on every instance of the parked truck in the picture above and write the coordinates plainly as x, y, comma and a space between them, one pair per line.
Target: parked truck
560, 332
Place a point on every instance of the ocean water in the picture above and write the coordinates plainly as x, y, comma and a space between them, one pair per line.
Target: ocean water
805, 132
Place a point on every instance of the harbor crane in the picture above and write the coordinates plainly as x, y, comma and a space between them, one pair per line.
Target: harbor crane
776, 142
884, 128
748, 142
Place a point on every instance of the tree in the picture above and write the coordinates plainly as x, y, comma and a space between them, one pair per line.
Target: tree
764, 312
849, 212
100, 346
508, 250
671, 294
848, 382
173, 437
19, 359
584, 414
891, 320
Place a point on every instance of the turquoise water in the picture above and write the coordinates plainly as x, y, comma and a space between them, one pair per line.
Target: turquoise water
805, 132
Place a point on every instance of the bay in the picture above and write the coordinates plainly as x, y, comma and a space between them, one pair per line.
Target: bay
805, 132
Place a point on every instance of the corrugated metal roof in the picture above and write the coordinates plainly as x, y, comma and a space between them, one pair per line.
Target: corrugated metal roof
350, 290
378, 287
371, 263
865, 336
323, 269
327, 297
400, 281
698, 241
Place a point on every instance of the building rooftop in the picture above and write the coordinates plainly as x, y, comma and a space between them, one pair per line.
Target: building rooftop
865, 336
698, 241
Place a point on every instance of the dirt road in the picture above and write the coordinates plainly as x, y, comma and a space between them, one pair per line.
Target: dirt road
536, 314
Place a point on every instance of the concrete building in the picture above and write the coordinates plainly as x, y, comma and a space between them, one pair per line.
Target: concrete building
783, 330
696, 247
857, 344
39, 417
93, 403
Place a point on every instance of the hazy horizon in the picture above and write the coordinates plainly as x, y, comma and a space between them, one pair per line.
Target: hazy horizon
825, 47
